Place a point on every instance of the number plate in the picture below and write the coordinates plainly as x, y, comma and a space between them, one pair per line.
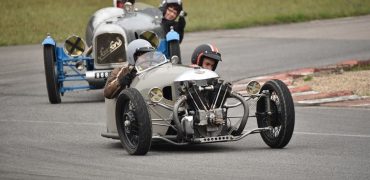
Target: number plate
102, 75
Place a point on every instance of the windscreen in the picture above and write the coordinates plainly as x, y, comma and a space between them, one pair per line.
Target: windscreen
150, 60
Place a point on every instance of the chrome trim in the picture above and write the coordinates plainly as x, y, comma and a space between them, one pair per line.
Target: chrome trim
169, 141
230, 137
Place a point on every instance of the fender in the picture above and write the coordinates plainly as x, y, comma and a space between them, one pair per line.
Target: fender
163, 44
49, 40
172, 35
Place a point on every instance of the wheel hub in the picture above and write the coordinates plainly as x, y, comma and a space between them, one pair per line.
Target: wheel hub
129, 117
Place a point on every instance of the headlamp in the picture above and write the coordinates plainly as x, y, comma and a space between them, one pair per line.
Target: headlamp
155, 95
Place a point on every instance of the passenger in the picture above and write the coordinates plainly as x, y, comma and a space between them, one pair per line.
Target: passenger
121, 3
206, 56
122, 77
171, 10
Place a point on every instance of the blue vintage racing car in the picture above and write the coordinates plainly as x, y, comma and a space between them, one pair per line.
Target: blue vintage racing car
80, 65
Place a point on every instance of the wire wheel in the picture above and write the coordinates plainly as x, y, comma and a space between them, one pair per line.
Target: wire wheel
133, 122
282, 117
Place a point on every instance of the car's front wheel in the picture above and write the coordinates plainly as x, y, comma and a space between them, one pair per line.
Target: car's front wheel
51, 75
133, 122
281, 117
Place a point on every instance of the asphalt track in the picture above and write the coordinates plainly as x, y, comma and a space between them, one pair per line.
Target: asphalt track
43, 141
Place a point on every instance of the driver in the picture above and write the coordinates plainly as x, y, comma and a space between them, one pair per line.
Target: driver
122, 77
171, 10
206, 56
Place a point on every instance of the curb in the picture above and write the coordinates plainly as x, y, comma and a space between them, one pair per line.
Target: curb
304, 95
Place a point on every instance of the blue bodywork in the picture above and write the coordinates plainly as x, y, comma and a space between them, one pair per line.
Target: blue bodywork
163, 44
64, 62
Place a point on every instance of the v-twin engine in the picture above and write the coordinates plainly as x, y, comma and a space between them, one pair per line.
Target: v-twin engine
206, 116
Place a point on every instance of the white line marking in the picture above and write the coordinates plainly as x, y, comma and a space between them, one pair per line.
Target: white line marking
334, 134
304, 93
327, 100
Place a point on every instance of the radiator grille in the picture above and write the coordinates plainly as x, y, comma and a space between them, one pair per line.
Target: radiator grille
110, 48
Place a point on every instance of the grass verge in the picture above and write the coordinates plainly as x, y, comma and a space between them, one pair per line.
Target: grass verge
28, 22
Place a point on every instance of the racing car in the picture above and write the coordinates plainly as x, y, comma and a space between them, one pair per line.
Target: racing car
108, 33
184, 105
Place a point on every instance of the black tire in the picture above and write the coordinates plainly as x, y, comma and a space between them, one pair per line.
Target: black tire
133, 122
52, 84
174, 49
283, 115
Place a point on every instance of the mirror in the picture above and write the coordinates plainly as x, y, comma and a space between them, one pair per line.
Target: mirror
151, 37
253, 87
74, 46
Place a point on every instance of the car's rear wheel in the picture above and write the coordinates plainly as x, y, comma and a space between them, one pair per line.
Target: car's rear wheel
52, 84
282, 117
133, 122
174, 49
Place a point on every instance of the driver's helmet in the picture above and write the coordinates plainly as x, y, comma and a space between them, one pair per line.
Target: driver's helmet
206, 50
137, 48
177, 4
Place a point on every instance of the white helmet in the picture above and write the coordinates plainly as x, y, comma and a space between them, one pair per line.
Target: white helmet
136, 48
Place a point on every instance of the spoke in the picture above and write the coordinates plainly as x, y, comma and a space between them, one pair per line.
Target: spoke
134, 139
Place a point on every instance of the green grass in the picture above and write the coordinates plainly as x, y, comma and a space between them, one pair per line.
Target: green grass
364, 67
28, 22
307, 78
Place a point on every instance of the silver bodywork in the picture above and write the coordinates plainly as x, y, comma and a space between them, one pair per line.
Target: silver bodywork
164, 76
183, 105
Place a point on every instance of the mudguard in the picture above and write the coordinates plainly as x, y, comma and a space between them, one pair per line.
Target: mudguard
172, 35
49, 40
163, 44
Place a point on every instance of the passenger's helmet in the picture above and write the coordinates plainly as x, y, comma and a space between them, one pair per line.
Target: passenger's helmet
205, 50
136, 48
177, 4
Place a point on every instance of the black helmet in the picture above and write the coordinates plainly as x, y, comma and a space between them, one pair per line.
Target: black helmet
205, 50
177, 4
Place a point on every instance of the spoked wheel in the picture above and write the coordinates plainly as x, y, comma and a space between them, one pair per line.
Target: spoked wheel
236, 124
133, 122
174, 50
52, 84
282, 117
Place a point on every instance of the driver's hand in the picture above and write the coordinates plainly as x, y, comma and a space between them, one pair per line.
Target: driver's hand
127, 79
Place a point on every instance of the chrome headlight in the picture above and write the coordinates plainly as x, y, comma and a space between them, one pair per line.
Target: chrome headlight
155, 95
74, 46
253, 87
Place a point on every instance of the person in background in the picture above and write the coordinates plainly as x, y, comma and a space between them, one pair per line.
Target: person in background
172, 9
121, 3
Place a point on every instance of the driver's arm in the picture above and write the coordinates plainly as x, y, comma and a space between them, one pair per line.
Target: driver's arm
113, 85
